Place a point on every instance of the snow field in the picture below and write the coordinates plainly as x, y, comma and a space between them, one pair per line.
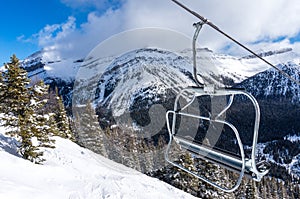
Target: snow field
72, 172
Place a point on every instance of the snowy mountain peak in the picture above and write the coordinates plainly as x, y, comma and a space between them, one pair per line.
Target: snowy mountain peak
272, 84
46, 65
144, 73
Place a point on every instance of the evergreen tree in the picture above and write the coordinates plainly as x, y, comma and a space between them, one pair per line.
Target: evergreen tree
274, 188
16, 98
3, 89
42, 125
240, 192
146, 156
269, 188
62, 121
283, 190
130, 149
250, 190
90, 134
264, 190
27, 148
22, 104
182, 179
159, 153
61, 124
297, 190
113, 146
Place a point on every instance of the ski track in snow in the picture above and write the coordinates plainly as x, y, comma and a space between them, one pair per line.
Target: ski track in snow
72, 172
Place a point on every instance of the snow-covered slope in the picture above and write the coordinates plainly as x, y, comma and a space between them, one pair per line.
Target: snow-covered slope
283, 153
238, 68
72, 172
41, 65
142, 74
272, 84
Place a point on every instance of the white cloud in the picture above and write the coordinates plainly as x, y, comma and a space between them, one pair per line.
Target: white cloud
57, 38
248, 21
52, 34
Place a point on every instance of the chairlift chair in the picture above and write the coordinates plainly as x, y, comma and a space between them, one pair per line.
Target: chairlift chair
241, 165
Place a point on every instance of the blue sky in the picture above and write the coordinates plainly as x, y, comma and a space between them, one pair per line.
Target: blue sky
71, 28
21, 19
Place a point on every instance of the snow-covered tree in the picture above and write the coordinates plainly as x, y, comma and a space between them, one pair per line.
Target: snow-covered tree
62, 120
42, 126
159, 153
61, 123
130, 148
250, 190
21, 112
187, 182
146, 155
90, 134
16, 98
283, 189
180, 178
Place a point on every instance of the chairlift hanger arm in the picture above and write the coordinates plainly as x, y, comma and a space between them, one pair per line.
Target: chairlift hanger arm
206, 21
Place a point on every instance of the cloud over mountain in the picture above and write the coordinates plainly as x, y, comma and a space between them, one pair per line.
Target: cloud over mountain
259, 24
